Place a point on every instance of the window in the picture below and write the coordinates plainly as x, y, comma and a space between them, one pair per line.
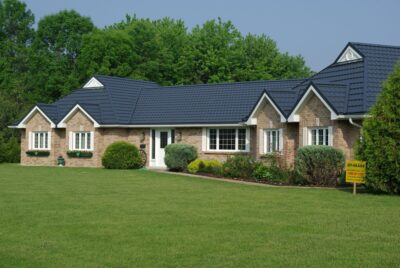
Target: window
319, 136
40, 140
273, 141
227, 139
82, 141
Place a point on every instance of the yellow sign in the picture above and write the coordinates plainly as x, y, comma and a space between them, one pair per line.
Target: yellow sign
355, 171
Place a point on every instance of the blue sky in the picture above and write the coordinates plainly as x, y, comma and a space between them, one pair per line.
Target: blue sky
316, 29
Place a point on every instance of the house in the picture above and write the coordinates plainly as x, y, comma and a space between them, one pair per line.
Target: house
255, 117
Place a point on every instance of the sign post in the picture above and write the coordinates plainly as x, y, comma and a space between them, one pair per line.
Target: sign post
355, 172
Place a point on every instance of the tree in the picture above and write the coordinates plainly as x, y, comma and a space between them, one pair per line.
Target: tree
16, 34
57, 45
380, 145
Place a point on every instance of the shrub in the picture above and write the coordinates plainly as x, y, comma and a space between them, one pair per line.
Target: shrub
262, 172
380, 146
121, 155
239, 166
206, 166
319, 165
178, 156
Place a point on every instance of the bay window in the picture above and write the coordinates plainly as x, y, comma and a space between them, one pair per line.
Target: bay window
228, 139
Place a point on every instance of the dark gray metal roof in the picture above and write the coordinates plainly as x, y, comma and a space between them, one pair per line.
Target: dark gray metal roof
348, 87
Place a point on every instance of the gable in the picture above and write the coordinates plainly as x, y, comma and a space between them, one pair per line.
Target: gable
308, 96
93, 83
79, 116
36, 113
349, 54
265, 101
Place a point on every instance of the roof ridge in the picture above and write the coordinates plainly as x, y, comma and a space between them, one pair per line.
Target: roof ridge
134, 107
374, 45
231, 83
125, 78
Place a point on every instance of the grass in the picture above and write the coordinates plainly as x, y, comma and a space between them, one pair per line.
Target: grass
75, 217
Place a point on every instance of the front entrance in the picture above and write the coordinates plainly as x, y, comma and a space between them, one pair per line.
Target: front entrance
160, 139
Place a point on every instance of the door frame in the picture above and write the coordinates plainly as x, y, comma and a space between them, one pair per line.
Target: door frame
154, 162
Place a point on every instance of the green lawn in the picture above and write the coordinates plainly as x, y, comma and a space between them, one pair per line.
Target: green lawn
75, 217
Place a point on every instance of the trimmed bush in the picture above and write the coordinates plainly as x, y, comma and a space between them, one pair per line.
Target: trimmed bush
319, 165
380, 146
121, 155
239, 166
206, 166
179, 155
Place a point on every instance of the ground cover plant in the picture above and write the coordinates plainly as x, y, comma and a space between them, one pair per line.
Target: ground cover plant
87, 217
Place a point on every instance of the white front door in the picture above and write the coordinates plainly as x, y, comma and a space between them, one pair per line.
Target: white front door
162, 139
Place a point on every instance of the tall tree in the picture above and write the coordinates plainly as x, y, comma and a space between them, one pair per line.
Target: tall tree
380, 145
16, 35
57, 45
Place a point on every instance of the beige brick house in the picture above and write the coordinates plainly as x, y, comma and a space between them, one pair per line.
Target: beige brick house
255, 117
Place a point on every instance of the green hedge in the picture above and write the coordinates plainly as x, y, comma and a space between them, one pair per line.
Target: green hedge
179, 155
319, 165
121, 155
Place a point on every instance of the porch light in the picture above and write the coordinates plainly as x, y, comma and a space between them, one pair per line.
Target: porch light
142, 136
179, 136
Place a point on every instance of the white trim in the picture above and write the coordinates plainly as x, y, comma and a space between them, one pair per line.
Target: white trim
22, 124
93, 83
174, 125
70, 141
349, 54
294, 116
62, 123
261, 141
253, 121
204, 139
330, 136
304, 136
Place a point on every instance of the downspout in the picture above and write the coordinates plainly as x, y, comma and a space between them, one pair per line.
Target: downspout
353, 123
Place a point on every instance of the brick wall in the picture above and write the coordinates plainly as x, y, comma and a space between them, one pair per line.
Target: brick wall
315, 114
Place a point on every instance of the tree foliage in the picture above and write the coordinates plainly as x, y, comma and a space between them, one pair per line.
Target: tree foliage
380, 144
66, 49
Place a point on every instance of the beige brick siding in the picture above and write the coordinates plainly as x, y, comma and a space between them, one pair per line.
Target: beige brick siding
37, 123
315, 114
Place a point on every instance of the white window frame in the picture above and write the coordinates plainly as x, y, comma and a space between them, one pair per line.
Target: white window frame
279, 137
327, 130
33, 135
247, 144
72, 141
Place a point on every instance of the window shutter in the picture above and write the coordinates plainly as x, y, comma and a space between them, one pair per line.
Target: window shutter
49, 140
281, 139
330, 136
204, 139
261, 141
304, 136
92, 140
70, 141
30, 140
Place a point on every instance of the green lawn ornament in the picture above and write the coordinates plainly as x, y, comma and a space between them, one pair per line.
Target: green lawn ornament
60, 161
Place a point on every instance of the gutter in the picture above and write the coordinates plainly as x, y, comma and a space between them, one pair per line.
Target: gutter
353, 123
